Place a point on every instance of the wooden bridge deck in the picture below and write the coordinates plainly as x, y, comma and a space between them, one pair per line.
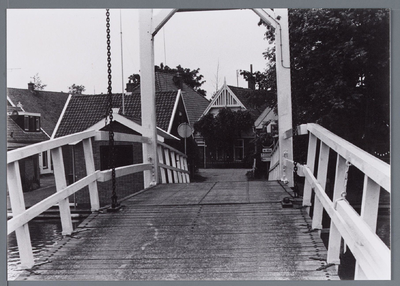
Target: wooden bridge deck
199, 231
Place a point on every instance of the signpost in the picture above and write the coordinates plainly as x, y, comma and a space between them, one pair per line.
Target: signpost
185, 130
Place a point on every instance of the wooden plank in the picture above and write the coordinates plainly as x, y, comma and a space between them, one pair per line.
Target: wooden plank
321, 177
168, 163
182, 165
17, 202
90, 169
161, 161
311, 153
177, 152
186, 169
30, 150
334, 236
122, 137
123, 171
61, 183
173, 163
369, 213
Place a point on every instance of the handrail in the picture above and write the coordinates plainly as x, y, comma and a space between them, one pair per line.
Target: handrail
374, 168
37, 148
357, 230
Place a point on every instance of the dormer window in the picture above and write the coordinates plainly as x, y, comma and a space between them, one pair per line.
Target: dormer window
29, 122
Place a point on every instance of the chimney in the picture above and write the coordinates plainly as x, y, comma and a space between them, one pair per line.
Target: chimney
178, 80
130, 86
251, 82
31, 86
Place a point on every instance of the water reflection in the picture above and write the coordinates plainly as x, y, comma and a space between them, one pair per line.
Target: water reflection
44, 234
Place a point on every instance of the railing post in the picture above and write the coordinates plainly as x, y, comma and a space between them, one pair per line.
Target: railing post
148, 94
185, 167
335, 238
184, 178
311, 153
321, 177
369, 212
61, 183
90, 169
178, 165
168, 163
173, 162
161, 160
18, 206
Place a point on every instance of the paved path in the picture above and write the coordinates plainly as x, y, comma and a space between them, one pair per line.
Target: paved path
222, 230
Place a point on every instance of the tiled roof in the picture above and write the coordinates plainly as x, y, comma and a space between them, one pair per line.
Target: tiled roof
83, 111
243, 95
195, 103
15, 135
49, 104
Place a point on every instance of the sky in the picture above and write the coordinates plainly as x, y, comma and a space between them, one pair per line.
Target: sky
68, 46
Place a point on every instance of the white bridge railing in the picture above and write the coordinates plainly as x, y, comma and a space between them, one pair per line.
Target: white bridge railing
173, 168
373, 257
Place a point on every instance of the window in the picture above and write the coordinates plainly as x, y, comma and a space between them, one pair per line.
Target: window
31, 123
238, 149
123, 156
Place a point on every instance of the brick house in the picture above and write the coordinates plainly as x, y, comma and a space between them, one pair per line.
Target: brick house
86, 112
244, 149
45, 106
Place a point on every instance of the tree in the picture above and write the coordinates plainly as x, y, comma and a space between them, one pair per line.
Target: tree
38, 82
76, 89
221, 130
191, 77
340, 72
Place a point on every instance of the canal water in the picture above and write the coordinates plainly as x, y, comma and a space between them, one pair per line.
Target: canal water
44, 234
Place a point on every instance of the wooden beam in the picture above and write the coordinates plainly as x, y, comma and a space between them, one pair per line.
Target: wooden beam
123, 171
90, 169
161, 19
148, 95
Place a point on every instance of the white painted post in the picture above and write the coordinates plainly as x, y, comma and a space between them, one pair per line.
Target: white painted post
162, 170
185, 164
90, 169
284, 90
61, 183
168, 163
173, 162
183, 168
17, 202
369, 212
335, 238
312, 149
321, 177
178, 165
148, 95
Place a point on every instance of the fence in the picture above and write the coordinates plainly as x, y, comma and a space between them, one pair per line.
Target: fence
173, 168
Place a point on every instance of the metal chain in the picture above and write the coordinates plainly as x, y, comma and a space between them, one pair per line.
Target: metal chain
114, 202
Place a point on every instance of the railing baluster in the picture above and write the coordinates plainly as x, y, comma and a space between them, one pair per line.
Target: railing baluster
312, 148
185, 167
178, 165
61, 183
90, 169
369, 212
161, 160
168, 163
18, 206
321, 177
334, 235
173, 162
184, 179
